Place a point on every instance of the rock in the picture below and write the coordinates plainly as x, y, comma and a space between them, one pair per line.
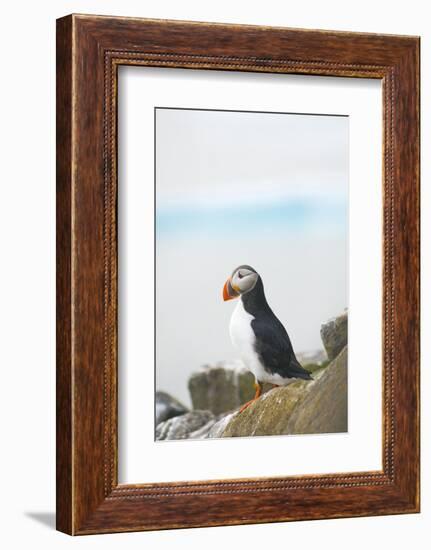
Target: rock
202, 433
334, 335
319, 406
167, 407
181, 427
219, 426
324, 406
221, 387
211, 428
313, 360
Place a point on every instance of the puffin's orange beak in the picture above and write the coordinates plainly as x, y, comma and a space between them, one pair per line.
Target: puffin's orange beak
226, 295
228, 292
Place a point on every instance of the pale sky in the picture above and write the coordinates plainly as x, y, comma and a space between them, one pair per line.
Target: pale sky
215, 155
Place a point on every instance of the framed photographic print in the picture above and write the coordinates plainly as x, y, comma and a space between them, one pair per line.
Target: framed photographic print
237, 274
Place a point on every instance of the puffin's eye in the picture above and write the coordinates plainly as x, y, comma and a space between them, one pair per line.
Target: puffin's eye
239, 275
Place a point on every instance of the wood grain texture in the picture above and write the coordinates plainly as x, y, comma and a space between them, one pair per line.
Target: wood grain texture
64, 496
90, 49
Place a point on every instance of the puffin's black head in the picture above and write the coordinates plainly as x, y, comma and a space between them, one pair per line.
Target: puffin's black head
242, 280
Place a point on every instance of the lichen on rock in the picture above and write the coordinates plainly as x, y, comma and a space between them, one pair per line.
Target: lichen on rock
318, 406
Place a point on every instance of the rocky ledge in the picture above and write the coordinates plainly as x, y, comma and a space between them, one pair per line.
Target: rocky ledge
319, 406
217, 391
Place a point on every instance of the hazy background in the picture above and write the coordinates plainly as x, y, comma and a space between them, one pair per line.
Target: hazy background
269, 190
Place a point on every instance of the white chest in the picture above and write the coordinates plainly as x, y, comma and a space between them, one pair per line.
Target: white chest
241, 333
243, 338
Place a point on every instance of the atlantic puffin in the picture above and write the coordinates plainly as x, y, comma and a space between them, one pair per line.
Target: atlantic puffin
259, 336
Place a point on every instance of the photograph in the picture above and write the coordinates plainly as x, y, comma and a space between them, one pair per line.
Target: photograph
251, 273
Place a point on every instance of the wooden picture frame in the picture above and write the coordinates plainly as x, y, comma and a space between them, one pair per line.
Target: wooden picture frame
89, 51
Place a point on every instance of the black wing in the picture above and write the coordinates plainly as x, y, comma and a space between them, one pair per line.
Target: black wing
275, 349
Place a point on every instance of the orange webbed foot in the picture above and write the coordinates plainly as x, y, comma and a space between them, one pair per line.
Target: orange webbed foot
258, 393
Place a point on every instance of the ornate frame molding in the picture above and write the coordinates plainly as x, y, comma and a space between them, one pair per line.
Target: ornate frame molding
90, 49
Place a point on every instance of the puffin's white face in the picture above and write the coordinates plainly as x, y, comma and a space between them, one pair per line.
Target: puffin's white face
242, 280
